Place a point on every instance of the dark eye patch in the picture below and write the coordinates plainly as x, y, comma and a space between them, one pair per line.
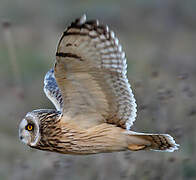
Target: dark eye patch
29, 127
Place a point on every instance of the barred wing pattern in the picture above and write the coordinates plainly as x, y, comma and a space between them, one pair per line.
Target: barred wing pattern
52, 91
90, 71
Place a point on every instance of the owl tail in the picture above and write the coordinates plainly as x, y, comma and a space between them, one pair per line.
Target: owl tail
156, 142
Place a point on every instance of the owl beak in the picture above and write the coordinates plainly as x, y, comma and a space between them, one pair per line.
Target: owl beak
21, 132
21, 138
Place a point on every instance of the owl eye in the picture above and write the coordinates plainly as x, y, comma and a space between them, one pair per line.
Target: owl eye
29, 127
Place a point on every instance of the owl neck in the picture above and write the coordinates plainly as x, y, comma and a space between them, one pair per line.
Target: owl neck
48, 128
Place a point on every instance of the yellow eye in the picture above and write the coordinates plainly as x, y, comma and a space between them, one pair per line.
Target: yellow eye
29, 127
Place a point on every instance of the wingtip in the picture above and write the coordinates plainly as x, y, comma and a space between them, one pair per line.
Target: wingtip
82, 19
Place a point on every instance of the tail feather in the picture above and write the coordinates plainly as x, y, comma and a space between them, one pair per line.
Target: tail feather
156, 142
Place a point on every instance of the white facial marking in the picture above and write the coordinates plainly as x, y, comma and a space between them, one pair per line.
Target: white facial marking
25, 135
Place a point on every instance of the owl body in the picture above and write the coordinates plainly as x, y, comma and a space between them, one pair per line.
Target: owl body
74, 140
94, 101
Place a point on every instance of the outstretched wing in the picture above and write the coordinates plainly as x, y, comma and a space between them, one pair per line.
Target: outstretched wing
52, 91
90, 71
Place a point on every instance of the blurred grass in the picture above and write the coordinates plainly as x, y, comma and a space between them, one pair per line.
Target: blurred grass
159, 38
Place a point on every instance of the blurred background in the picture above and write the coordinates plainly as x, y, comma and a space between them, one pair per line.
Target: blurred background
159, 38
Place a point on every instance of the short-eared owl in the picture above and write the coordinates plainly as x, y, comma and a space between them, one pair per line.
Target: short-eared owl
95, 106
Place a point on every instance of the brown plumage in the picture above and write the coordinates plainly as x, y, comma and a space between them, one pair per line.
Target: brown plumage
95, 103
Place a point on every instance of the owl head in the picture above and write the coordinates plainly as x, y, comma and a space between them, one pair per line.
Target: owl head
32, 126
29, 129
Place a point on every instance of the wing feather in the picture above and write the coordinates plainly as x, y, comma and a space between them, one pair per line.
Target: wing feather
52, 91
91, 72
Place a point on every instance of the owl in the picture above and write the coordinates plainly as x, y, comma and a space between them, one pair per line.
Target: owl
95, 106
